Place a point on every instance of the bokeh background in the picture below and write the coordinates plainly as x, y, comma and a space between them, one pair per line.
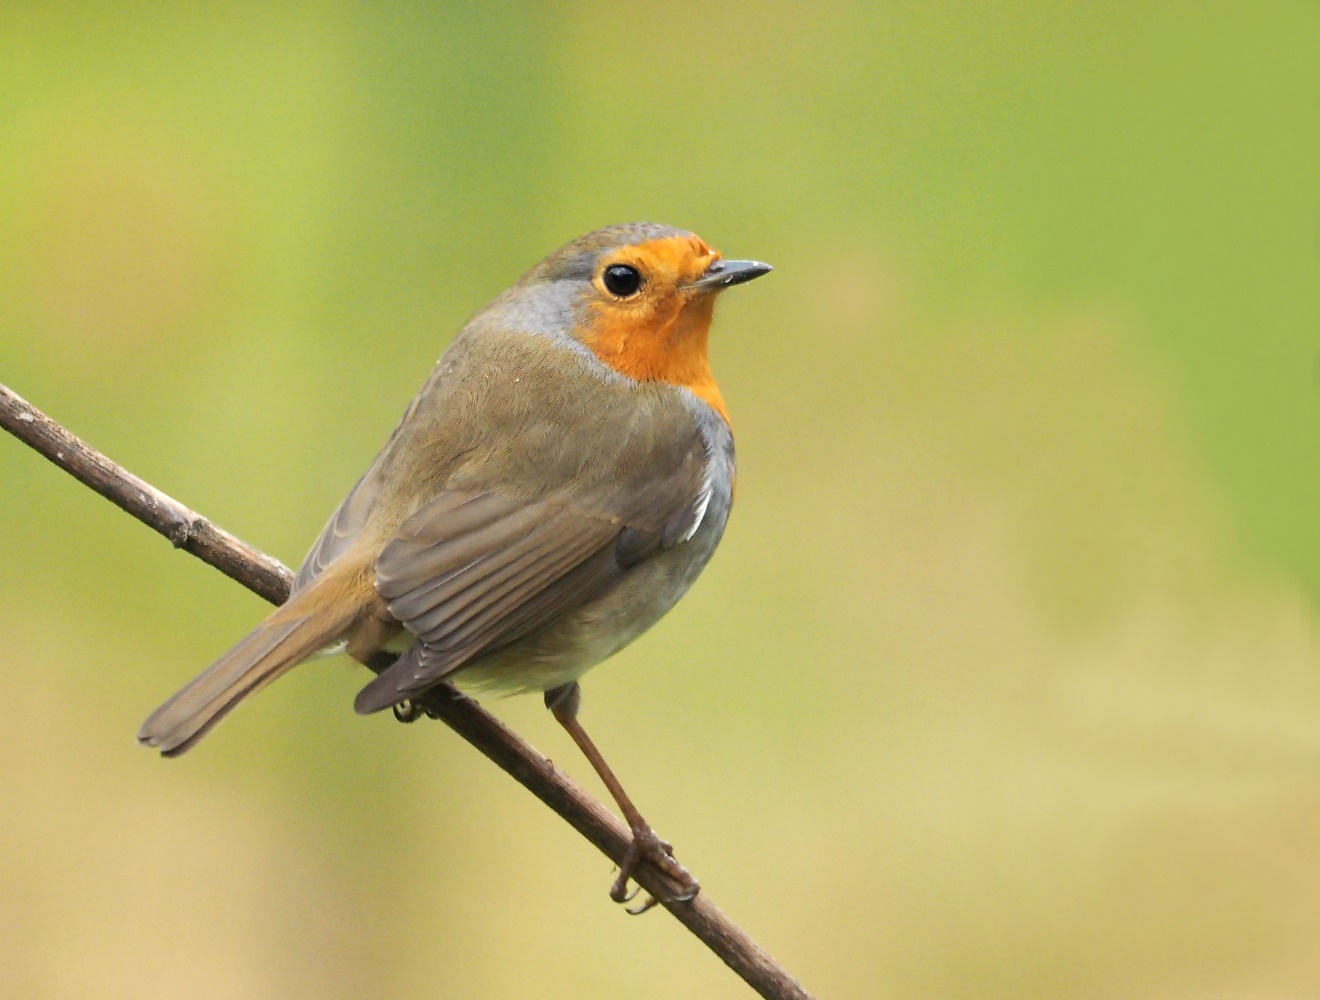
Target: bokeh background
1004, 682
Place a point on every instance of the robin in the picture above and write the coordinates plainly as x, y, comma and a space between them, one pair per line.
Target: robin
554, 488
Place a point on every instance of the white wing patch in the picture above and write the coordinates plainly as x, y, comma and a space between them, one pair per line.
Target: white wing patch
703, 496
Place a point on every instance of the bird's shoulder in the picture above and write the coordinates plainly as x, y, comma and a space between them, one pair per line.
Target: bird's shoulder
530, 415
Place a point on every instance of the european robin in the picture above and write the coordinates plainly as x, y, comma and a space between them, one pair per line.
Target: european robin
554, 488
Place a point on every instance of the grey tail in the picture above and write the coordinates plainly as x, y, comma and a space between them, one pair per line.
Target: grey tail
290, 635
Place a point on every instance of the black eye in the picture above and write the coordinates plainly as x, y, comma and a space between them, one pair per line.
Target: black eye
622, 280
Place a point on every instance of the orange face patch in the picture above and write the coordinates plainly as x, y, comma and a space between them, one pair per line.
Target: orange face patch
659, 333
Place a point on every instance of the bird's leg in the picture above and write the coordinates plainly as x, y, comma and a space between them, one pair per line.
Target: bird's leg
563, 702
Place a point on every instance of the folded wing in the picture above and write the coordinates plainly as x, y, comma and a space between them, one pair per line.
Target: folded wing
473, 572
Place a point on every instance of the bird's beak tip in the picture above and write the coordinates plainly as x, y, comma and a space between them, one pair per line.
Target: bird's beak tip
726, 273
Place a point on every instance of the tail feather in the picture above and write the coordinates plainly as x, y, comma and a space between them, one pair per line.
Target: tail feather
289, 636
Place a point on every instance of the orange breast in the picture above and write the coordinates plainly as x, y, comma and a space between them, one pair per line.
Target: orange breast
668, 346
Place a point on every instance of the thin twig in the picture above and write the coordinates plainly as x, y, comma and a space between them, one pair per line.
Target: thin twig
268, 578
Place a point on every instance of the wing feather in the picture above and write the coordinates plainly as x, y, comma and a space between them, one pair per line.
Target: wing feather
471, 573
340, 531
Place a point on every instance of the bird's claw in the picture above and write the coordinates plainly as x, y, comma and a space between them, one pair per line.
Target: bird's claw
646, 846
637, 911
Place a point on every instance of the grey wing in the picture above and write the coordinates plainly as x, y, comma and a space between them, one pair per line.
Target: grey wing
351, 516
472, 573
341, 531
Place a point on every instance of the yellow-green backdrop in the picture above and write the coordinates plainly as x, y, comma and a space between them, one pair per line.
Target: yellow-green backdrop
1004, 682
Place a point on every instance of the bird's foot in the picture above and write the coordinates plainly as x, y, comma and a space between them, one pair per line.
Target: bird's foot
647, 846
407, 710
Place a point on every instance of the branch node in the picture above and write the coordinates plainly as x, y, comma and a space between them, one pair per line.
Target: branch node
184, 529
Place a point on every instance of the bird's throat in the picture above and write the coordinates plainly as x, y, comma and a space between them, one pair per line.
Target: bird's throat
669, 348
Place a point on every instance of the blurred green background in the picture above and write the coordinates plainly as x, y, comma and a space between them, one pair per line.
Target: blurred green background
1004, 682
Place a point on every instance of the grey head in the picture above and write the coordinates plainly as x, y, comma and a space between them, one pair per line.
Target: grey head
640, 275
577, 260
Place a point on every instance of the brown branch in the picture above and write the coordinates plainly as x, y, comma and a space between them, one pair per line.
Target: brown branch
268, 578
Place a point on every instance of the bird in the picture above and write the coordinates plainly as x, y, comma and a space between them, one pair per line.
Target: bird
557, 484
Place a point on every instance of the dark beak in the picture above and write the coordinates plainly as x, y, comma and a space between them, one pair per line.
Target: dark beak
726, 273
